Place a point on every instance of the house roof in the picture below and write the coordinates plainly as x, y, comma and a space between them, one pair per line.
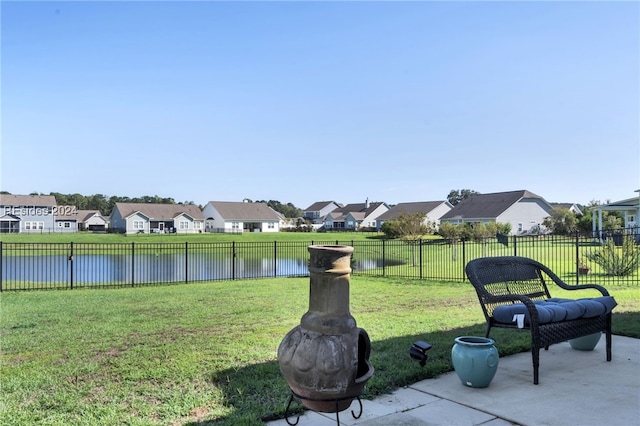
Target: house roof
629, 204
410, 208
84, 215
319, 205
358, 207
488, 205
159, 211
73, 213
358, 211
27, 200
240, 211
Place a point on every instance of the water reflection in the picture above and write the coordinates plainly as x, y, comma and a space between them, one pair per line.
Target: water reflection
122, 269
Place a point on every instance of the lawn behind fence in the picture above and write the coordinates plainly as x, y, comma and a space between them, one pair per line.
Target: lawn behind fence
205, 353
206, 237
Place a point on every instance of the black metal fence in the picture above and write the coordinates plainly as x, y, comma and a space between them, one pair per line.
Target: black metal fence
39, 266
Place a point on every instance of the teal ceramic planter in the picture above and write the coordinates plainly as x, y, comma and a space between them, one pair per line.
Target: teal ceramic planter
586, 343
475, 360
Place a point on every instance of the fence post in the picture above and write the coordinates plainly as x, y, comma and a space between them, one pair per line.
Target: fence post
186, 262
515, 250
384, 258
70, 258
233, 260
275, 258
464, 259
1, 257
577, 257
420, 258
133, 263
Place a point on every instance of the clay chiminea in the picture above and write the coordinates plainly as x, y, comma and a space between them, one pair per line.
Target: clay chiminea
325, 359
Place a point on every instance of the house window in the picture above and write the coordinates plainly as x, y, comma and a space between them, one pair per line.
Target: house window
270, 225
27, 225
40, 225
520, 227
59, 224
184, 224
235, 225
197, 225
67, 225
138, 224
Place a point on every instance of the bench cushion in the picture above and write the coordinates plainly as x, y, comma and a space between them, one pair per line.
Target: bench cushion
556, 309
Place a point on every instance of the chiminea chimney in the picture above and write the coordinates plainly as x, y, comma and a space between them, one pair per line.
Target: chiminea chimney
325, 359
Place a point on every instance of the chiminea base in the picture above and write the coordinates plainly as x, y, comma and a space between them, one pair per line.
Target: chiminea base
337, 402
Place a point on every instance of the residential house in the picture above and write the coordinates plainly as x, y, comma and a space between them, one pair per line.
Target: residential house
145, 218
630, 209
523, 210
27, 213
317, 211
433, 210
230, 216
355, 216
92, 220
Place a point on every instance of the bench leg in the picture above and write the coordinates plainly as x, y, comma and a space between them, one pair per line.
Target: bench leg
535, 352
535, 355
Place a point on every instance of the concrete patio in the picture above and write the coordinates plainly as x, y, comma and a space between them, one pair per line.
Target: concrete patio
576, 388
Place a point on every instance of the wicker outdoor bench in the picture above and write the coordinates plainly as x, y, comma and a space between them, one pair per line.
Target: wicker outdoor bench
513, 293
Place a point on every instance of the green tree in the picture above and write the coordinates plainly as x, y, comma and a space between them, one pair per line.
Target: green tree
412, 227
408, 226
561, 222
390, 229
457, 195
453, 233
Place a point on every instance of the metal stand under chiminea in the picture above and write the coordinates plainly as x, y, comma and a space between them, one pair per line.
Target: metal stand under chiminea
325, 359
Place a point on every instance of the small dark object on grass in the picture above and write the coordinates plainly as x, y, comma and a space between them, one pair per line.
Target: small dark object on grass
419, 350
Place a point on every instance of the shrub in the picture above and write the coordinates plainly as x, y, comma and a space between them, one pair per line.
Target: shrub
616, 261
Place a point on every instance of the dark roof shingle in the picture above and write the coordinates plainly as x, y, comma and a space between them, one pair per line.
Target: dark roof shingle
487, 205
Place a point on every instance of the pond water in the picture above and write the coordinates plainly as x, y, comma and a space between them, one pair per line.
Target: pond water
151, 268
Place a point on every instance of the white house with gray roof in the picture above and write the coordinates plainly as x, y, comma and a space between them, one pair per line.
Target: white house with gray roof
145, 218
230, 216
433, 211
92, 220
318, 210
355, 216
523, 210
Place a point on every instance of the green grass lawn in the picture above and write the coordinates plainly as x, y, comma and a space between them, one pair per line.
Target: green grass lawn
90, 237
205, 353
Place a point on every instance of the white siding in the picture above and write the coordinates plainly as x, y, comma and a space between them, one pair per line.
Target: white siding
435, 214
213, 219
529, 213
95, 220
134, 226
370, 221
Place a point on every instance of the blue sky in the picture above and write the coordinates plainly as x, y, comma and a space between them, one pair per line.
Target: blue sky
310, 101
